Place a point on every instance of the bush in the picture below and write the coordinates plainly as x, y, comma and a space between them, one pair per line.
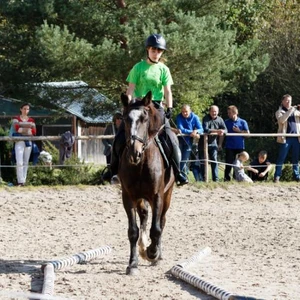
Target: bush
287, 173
7, 173
73, 172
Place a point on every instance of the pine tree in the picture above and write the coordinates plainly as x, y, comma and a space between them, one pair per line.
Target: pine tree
99, 42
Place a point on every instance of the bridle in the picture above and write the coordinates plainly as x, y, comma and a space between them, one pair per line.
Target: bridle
145, 140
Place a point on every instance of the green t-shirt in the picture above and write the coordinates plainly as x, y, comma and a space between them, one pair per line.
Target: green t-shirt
150, 77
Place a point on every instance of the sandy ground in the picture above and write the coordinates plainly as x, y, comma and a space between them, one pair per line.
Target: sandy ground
252, 230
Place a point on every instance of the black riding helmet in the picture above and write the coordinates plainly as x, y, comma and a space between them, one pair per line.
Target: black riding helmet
157, 41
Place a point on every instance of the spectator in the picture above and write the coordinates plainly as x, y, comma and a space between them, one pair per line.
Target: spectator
111, 129
239, 169
23, 125
233, 144
189, 124
288, 119
212, 124
260, 167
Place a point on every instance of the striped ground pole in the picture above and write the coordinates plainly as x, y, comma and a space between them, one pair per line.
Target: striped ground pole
49, 277
180, 271
195, 258
4, 294
49, 268
80, 257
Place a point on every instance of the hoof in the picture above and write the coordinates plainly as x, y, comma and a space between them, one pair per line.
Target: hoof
132, 271
153, 257
155, 263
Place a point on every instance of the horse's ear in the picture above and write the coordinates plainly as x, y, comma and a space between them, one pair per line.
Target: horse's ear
124, 99
148, 98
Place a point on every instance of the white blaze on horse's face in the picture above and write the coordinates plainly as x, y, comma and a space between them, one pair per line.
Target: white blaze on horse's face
134, 116
138, 134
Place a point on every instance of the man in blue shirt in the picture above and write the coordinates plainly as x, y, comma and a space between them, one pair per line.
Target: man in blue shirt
234, 144
189, 124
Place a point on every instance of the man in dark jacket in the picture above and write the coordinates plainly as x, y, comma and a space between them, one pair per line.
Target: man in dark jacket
212, 124
111, 129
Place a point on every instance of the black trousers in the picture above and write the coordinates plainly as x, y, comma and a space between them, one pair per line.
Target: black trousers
230, 155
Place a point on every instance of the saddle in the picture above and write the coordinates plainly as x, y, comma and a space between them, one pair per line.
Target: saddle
165, 147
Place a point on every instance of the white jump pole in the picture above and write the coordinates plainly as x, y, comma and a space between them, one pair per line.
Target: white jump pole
48, 269
49, 277
80, 257
180, 272
28, 295
195, 258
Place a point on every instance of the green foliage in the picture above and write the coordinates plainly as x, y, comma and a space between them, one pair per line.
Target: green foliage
287, 173
73, 172
99, 42
245, 17
277, 26
255, 144
5, 157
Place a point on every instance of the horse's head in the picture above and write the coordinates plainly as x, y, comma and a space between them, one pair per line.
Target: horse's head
138, 118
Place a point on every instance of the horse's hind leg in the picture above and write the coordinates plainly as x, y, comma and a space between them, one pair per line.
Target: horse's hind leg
142, 209
133, 234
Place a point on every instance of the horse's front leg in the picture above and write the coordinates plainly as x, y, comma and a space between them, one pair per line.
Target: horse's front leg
133, 234
154, 250
142, 209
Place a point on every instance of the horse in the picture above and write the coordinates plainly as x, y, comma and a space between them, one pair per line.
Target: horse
146, 180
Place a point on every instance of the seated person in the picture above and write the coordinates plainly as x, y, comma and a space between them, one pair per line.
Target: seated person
260, 167
239, 169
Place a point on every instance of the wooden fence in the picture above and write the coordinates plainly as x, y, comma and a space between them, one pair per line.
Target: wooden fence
97, 137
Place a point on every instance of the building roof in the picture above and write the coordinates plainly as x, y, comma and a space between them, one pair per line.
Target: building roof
11, 107
81, 91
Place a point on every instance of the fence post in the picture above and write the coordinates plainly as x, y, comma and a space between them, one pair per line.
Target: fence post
205, 146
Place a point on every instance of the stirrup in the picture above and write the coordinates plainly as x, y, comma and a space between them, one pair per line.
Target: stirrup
181, 179
115, 180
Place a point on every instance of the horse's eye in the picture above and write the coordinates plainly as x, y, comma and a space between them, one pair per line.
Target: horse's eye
144, 116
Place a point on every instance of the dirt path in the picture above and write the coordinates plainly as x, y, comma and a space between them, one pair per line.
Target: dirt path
253, 231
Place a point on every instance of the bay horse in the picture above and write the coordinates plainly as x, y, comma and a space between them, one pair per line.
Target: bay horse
144, 178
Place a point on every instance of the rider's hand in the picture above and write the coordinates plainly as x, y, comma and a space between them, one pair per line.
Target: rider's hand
168, 113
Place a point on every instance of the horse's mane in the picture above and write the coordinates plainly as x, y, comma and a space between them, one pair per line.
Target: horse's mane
155, 120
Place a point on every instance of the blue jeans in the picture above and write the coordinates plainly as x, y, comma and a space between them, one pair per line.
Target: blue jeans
213, 156
291, 142
197, 173
185, 148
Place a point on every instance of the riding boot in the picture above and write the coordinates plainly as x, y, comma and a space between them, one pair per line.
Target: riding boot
181, 178
116, 152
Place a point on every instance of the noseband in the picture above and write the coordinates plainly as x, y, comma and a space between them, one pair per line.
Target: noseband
143, 140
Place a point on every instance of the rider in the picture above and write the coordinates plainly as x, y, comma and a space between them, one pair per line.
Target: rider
151, 75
